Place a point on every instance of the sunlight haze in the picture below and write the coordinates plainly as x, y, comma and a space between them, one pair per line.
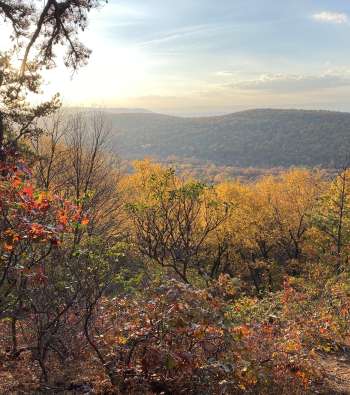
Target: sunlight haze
209, 57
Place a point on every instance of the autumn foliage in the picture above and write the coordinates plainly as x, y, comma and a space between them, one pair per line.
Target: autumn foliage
229, 288
151, 281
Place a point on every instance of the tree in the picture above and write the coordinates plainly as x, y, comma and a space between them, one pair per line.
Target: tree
73, 160
38, 29
292, 197
331, 218
173, 220
46, 270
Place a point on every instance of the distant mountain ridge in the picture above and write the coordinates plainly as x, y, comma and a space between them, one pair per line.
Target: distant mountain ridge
112, 110
258, 138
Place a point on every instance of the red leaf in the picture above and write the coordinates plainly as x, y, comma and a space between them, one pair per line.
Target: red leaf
28, 190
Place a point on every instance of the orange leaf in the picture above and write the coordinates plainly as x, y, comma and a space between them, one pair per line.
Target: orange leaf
62, 218
85, 221
8, 247
16, 182
242, 330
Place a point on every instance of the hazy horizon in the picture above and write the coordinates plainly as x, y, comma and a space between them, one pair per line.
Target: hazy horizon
194, 114
212, 58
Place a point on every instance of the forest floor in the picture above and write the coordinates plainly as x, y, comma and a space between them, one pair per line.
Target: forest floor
336, 367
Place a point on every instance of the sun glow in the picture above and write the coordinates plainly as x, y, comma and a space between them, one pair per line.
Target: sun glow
109, 76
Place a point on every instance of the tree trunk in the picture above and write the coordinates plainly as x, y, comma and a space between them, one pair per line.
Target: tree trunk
2, 133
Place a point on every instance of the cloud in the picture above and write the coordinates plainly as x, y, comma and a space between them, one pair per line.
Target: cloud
179, 34
331, 17
293, 83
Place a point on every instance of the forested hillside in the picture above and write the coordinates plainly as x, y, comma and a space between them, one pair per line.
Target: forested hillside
258, 138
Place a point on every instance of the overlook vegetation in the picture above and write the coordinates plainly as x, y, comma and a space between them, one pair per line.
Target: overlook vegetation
256, 138
152, 282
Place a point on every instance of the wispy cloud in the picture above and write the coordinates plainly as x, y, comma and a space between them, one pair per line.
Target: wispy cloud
180, 34
289, 83
331, 17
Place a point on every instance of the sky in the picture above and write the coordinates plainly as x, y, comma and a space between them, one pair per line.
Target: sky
213, 56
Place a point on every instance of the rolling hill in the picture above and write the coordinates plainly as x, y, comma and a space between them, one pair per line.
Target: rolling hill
258, 138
